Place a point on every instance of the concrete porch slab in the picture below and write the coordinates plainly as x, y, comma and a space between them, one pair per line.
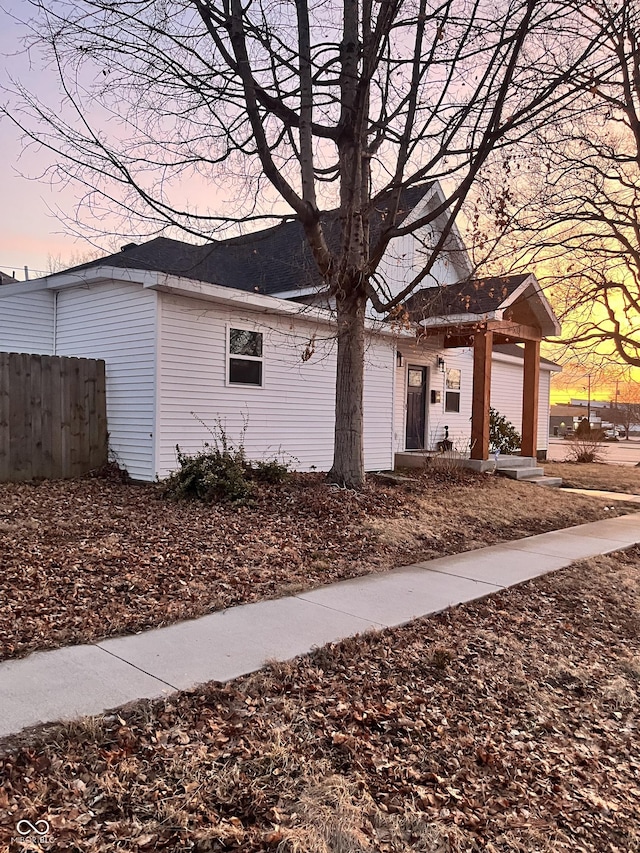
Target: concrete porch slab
233, 642
68, 683
398, 596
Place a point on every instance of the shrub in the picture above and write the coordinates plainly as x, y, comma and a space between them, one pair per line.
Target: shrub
503, 436
585, 448
211, 474
269, 471
220, 472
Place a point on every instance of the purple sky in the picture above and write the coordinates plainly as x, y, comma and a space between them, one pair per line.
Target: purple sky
29, 233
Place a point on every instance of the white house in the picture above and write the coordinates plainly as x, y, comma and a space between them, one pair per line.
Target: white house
239, 333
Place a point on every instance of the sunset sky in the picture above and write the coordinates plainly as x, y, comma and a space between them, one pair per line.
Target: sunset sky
32, 236
29, 232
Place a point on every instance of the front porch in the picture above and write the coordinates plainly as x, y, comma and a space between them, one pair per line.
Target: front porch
479, 315
522, 468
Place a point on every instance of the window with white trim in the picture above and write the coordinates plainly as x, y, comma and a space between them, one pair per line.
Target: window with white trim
452, 390
245, 357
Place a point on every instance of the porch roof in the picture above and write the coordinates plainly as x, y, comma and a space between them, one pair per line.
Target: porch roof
515, 307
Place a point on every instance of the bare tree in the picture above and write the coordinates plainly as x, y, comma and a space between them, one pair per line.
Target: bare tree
627, 411
304, 106
577, 209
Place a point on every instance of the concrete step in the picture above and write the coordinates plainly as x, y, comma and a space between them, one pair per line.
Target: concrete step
515, 462
521, 473
549, 482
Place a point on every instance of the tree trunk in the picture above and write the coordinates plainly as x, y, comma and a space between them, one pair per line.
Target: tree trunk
348, 454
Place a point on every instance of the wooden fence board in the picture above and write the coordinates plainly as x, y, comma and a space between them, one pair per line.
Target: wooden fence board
52, 416
20, 416
101, 449
55, 401
5, 458
46, 419
35, 407
75, 419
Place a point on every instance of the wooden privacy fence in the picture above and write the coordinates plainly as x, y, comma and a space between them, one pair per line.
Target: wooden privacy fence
53, 420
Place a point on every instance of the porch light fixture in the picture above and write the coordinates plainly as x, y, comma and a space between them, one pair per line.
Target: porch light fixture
441, 364
399, 359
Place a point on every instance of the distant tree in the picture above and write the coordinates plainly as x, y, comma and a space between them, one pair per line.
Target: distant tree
625, 410
573, 199
55, 263
302, 107
583, 428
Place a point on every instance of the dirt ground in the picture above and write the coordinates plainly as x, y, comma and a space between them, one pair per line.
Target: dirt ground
509, 725
92, 558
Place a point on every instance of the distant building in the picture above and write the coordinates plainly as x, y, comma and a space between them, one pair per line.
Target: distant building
594, 404
565, 417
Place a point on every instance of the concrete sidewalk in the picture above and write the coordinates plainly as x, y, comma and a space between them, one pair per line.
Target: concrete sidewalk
606, 496
79, 680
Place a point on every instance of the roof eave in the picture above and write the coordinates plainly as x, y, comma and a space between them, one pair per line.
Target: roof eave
20, 287
459, 319
206, 291
545, 364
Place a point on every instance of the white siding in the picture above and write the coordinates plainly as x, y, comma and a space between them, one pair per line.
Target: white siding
26, 320
543, 409
405, 257
116, 322
436, 418
291, 416
379, 380
506, 396
506, 391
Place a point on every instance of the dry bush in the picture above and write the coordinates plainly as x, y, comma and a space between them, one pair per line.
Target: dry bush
585, 448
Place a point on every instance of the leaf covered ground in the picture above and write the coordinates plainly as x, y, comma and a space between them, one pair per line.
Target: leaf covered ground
509, 725
91, 558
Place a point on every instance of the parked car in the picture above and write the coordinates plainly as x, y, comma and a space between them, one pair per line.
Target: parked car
614, 434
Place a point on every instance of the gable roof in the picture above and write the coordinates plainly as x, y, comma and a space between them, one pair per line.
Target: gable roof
274, 260
474, 300
474, 296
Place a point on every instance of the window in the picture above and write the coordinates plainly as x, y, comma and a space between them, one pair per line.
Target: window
416, 378
452, 393
245, 357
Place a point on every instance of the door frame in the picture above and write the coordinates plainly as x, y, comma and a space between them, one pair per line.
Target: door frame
425, 414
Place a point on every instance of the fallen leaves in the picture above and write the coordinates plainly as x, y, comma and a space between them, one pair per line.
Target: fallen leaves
421, 739
87, 559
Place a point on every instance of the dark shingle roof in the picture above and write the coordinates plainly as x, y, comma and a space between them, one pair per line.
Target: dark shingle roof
269, 261
475, 296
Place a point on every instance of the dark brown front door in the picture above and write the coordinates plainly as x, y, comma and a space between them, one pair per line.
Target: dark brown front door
416, 406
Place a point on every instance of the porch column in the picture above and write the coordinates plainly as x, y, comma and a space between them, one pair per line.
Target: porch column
482, 348
530, 394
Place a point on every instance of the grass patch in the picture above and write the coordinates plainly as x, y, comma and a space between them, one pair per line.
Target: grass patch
610, 478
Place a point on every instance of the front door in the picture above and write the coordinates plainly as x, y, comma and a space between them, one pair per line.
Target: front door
416, 406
